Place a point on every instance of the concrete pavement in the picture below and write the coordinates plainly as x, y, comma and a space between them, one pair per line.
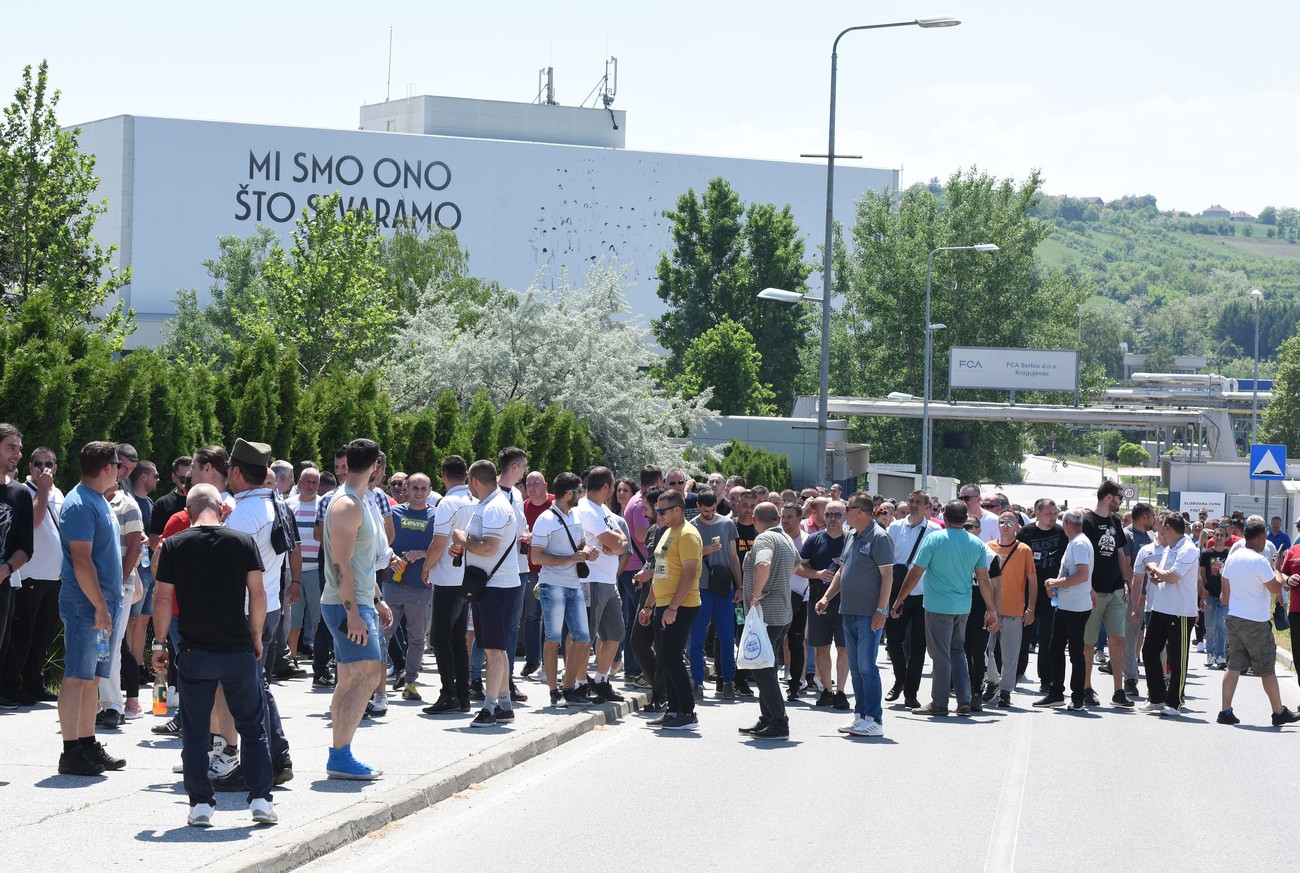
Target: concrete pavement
1006, 790
136, 816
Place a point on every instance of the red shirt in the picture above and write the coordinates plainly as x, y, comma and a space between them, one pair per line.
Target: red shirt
531, 513
177, 523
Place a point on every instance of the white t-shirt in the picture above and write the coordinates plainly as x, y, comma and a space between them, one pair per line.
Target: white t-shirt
446, 518
549, 536
521, 524
1178, 597
596, 519
494, 518
253, 514
798, 584
1270, 552
1246, 571
1150, 552
1076, 598
989, 528
47, 554
905, 534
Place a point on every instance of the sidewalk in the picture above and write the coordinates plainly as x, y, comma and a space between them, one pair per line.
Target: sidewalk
136, 816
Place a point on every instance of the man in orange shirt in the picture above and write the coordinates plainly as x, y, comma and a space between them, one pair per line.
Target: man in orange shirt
1018, 592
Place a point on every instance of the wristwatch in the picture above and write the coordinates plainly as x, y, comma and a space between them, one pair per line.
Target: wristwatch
882, 611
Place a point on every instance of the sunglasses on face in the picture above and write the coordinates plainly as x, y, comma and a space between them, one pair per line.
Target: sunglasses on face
676, 483
43, 465
834, 515
1006, 524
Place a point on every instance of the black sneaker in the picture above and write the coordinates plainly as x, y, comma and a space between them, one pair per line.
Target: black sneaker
1227, 718
911, 703
108, 719
890, 696
232, 781
10, 704
1105, 668
79, 762
172, 728
557, 699
655, 706
1121, 699
282, 770
990, 691
503, 714
742, 687
684, 722
577, 696
1090, 697
1076, 704
100, 755
963, 709
322, 681
659, 722
484, 719
825, 699
976, 705
1131, 688
840, 701
442, 705
772, 731
750, 731
605, 692
1286, 716
1004, 699
517, 696
289, 672
530, 667
476, 690
1051, 700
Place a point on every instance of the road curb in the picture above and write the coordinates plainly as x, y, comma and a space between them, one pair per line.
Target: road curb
294, 848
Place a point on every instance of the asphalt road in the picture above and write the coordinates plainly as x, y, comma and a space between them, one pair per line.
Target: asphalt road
1006, 790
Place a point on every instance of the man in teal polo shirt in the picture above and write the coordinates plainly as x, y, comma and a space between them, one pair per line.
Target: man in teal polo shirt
950, 558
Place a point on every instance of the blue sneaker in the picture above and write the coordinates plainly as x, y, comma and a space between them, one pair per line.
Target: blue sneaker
342, 765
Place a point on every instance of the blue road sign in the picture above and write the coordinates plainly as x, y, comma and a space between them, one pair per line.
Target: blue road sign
1267, 462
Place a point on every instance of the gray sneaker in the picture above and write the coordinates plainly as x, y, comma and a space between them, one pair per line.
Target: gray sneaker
728, 690
699, 692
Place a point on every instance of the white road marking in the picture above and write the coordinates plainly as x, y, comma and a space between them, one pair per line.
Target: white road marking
1001, 856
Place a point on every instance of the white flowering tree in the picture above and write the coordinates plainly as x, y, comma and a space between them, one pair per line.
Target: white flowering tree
574, 346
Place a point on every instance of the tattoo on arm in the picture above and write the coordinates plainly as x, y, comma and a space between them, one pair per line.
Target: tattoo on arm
338, 569
347, 604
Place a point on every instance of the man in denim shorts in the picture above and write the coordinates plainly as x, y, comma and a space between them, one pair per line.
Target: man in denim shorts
350, 607
557, 547
88, 604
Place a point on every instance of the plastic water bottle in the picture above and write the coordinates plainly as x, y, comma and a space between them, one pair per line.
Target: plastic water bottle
1055, 596
740, 614
159, 687
102, 651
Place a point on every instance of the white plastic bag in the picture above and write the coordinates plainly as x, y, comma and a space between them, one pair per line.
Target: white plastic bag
755, 646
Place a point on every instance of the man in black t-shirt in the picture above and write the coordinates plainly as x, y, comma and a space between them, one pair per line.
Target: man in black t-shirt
16, 532
1112, 575
1047, 541
1211, 588
211, 569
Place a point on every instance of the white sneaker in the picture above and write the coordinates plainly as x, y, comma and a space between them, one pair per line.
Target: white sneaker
1200, 647
1152, 707
853, 725
1169, 710
869, 727
201, 815
263, 812
220, 764
379, 703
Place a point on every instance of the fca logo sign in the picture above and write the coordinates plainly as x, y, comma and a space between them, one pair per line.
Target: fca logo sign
970, 365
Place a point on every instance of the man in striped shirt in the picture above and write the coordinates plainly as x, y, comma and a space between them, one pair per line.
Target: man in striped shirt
305, 613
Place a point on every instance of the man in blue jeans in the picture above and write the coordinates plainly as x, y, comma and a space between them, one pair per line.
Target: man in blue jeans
215, 568
863, 581
719, 590
557, 547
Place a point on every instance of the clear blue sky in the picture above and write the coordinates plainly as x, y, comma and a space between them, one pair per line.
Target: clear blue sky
1191, 101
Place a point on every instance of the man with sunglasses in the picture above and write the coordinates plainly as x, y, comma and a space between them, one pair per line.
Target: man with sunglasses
820, 558
676, 594
988, 521
15, 533
719, 592
863, 583
36, 604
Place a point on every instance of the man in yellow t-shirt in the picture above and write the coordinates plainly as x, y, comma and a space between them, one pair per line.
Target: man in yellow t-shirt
676, 592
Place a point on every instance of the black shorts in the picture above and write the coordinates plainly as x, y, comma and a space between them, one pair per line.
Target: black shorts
492, 617
828, 628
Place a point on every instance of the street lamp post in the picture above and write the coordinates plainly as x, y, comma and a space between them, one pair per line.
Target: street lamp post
823, 397
1258, 296
926, 447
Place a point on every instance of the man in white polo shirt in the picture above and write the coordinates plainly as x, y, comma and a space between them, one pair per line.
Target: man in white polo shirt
450, 611
1249, 585
605, 609
1172, 593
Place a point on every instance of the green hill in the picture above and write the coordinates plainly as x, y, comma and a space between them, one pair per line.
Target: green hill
1168, 283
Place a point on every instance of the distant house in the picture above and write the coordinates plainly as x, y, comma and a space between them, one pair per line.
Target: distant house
1242, 216
1095, 201
1216, 211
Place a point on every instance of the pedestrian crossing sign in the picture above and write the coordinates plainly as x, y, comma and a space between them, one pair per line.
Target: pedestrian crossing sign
1268, 462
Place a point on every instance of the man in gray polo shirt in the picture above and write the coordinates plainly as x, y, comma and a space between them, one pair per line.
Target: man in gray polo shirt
864, 582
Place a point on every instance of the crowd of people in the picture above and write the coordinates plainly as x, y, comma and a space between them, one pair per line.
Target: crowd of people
257, 566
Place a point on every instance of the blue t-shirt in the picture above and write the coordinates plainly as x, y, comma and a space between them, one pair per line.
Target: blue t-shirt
950, 557
87, 517
820, 550
412, 531
1280, 540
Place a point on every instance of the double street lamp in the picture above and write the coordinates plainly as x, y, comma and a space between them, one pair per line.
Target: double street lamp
926, 438
823, 397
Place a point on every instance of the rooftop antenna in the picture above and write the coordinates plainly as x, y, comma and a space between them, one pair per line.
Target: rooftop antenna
611, 85
388, 92
546, 85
